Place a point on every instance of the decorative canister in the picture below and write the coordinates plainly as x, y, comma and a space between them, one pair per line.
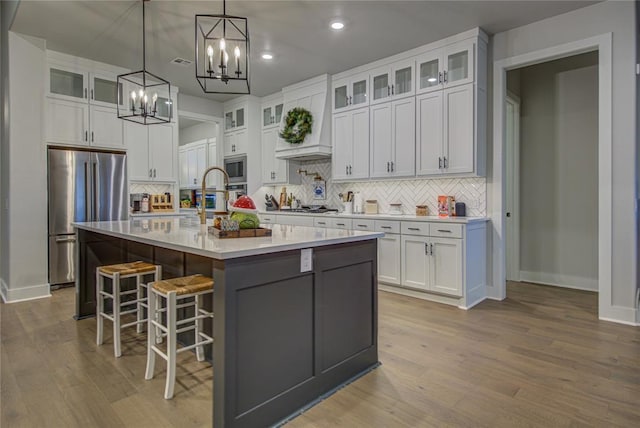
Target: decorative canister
421, 210
371, 206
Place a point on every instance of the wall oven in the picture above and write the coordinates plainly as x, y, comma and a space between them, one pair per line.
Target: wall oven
236, 167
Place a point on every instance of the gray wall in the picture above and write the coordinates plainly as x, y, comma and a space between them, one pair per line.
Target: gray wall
559, 172
617, 18
198, 132
200, 105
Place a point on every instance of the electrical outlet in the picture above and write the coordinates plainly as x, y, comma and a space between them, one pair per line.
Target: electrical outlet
306, 260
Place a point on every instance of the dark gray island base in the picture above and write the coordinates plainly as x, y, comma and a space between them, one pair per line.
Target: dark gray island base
283, 338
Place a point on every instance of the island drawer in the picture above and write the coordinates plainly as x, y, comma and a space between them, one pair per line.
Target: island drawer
419, 228
340, 223
387, 226
321, 222
359, 224
268, 219
447, 230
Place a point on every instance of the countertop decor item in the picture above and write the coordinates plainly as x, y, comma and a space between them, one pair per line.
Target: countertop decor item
421, 210
150, 99
297, 124
371, 206
395, 208
217, 37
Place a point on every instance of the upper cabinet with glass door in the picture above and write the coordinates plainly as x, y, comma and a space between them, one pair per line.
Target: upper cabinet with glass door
272, 113
392, 81
351, 92
104, 90
234, 119
445, 67
69, 82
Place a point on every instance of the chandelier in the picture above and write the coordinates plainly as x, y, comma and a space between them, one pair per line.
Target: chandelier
148, 99
222, 53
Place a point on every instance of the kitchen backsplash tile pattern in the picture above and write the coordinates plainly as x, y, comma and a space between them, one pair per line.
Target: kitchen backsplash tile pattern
410, 192
152, 189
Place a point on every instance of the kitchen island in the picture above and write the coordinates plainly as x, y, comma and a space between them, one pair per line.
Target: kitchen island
287, 330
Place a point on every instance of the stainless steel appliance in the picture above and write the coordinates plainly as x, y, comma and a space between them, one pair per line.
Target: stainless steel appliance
82, 186
236, 167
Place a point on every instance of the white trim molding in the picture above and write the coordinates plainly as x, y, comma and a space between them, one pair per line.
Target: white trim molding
14, 295
496, 181
560, 280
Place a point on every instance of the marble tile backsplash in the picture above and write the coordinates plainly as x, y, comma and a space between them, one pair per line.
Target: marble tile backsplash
409, 192
151, 188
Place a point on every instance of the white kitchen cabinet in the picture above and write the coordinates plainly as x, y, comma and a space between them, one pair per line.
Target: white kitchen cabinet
272, 113
392, 81
340, 223
106, 128
67, 81
193, 162
295, 220
214, 179
268, 218
234, 118
350, 92
446, 67
393, 139
151, 152
415, 262
389, 256
66, 122
104, 89
275, 170
235, 143
351, 144
445, 131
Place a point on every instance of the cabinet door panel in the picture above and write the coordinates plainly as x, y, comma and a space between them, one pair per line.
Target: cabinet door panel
404, 137
136, 138
183, 169
201, 162
415, 263
67, 82
106, 128
105, 90
381, 143
458, 129
446, 266
192, 167
162, 152
403, 78
214, 179
389, 259
429, 133
429, 72
342, 145
241, 143
340, 95
229, 144
267, 116
459, 60
380, 85
269, 140
359, 90
67, 122
359, 166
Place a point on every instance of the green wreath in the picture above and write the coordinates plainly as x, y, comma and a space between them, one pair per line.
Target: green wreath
297, 125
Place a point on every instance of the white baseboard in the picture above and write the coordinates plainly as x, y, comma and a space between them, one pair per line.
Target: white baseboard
619, 314
453, 301
560, 280
13, 295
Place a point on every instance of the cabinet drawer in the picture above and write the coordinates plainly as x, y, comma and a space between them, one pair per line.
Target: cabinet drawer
321, 222
387, 226
447, 230
359, 224
415, 228
340, 223
268, 219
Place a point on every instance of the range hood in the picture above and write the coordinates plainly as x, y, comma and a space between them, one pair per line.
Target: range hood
313, 95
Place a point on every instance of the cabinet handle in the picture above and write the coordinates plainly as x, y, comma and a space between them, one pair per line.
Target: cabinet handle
339, 224
393, 89
150, 173
154, 173
85, 92
440, 77
385, 227
362, 225
321, 222
426, 249
413, 228
431, 249
350, 170
274, 175
346, 169
92, 94
444, 231
444, 74
388, 167
392, 167
86, 135
92, 136
388, 90
439, 163
445, 162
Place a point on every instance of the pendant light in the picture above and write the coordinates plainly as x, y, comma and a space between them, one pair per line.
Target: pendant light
222, 53
147, 97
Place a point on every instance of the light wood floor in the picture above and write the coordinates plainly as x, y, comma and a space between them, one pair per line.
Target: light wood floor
540, 358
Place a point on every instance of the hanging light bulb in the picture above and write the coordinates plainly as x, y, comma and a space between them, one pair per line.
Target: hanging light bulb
210, 61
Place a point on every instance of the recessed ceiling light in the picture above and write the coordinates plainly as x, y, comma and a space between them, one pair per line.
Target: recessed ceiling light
337, 25
267, 56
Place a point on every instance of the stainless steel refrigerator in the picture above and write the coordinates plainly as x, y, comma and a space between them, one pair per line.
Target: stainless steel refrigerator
82, 186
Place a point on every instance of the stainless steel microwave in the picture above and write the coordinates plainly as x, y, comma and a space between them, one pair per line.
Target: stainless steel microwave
236, 167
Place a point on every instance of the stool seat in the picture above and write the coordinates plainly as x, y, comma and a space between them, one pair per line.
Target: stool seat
128, 268
184, 285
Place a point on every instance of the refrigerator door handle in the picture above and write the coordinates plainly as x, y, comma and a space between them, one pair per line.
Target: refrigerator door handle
87, 208
94, 202
71, 238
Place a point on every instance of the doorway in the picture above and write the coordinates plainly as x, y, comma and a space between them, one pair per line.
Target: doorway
551, 129
497, 179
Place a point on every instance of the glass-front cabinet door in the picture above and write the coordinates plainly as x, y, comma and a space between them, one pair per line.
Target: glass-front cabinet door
340, 94
458, 62
271, 114
67, 82
359, 90
429, 72
234, 119
402, 84
228, 121
278, 109
105, 90
380, 85
239, 117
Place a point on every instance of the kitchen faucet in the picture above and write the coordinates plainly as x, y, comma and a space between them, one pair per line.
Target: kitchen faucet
225, 192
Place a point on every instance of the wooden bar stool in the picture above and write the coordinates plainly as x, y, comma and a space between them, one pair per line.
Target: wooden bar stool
174, 292
116, 273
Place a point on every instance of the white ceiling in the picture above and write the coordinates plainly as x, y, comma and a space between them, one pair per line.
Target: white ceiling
296, 32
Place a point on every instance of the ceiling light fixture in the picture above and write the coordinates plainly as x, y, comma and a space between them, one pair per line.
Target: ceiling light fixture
267, 56
145, 89
216, 36
337, 25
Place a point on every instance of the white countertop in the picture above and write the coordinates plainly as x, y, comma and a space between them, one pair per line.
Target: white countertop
186, 234
155, 214
398, 217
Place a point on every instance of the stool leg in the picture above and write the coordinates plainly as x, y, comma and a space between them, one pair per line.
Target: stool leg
198, 329
171, 345
158, 303
139, 297
116, 314
99, 308
151, 334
